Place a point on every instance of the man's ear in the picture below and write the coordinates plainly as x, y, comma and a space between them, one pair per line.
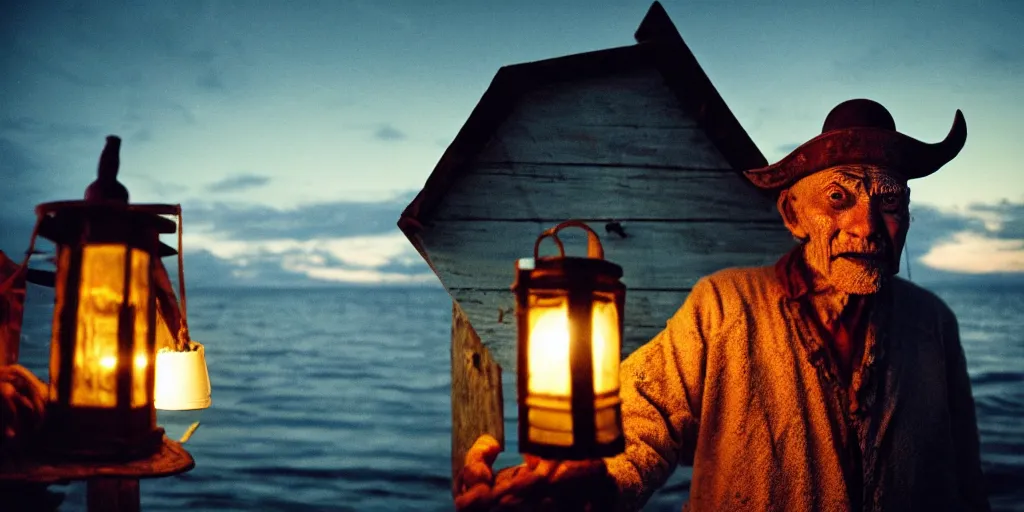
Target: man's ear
789, 218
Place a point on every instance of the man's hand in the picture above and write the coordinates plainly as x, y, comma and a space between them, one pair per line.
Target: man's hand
22, 404
538, 484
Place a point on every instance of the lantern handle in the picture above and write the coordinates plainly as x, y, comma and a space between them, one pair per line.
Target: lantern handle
183, 336
594, 248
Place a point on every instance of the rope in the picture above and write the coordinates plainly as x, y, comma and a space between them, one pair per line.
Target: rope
183, 336
906, 254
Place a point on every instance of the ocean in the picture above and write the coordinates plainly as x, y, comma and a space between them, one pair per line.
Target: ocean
338, 399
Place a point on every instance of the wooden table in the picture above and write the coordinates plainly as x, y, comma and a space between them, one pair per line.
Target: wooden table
111, 487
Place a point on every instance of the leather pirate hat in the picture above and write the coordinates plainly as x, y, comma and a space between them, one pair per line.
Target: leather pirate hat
863, 132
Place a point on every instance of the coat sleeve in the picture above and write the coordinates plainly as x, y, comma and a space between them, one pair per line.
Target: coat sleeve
661, 389
964, 422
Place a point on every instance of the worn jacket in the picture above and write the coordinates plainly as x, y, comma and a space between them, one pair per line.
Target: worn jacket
742, 386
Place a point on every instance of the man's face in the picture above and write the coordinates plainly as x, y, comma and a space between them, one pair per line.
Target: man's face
854, 220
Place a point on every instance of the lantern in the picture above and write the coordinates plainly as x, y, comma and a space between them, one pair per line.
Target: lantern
569, 320
103, 341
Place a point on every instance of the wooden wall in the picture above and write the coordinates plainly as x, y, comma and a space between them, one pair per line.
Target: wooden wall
619, 148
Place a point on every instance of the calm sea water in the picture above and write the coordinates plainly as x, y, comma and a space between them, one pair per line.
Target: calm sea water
338, 399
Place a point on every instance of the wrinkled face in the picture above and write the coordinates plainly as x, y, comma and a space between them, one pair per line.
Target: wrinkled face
854, 221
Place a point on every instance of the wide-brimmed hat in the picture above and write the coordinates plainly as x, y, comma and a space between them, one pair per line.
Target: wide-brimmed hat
863, 132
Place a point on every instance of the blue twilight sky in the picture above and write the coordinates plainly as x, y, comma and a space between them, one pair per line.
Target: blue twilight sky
294, 132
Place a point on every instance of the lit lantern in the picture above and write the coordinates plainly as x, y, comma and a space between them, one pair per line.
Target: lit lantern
569, 320
103, 339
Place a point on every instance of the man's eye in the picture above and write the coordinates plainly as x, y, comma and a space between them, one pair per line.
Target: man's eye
837, 196
891, 202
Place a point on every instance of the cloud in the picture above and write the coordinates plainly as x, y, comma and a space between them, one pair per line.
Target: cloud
388, 133
27, 127
147, 108
121, 53
1003, 59
319, 244
930, 225
971, 253
1005, 217
980, 239
30, 58
1000, 56
785, 149
210, 80
141, 135
163, 190
248, 222
384, 259
238, 183
25, 184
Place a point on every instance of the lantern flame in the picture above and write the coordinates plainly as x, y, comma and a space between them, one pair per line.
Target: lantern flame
550, 368
549, 350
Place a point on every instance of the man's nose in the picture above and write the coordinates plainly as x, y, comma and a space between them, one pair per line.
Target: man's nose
865, 221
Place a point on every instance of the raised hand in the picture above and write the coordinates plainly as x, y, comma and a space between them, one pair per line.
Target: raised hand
537, 484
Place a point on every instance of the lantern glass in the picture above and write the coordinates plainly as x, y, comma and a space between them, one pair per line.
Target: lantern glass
548, 350
605, 344
549, 366
100, 305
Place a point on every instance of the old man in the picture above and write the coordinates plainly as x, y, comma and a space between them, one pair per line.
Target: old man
822, 382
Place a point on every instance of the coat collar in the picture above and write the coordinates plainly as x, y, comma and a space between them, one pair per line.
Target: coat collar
793, 274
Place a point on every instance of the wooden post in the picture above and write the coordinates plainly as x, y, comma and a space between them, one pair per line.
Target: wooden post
476, 391
113, 495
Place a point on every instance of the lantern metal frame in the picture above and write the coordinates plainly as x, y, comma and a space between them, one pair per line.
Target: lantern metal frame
124, 431
579, 279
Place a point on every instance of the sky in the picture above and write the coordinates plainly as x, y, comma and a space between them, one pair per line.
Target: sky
293, 133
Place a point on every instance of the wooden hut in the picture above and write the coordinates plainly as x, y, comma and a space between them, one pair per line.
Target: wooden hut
634, 137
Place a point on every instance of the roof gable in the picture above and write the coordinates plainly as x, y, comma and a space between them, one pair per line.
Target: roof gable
635, 142
658, 45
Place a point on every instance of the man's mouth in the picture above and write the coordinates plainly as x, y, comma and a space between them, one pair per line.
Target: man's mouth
864, 257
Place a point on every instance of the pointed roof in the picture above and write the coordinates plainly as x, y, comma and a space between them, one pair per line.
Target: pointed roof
659, 45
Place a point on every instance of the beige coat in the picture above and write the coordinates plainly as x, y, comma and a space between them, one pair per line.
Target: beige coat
740, 386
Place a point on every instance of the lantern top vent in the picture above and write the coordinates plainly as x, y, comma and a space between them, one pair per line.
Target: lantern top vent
106, 187
105, 211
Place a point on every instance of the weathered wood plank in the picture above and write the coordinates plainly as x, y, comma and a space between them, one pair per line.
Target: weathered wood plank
638, 98
545, 191
529, 142
492, 313
476, 391
655, 255
619, 120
